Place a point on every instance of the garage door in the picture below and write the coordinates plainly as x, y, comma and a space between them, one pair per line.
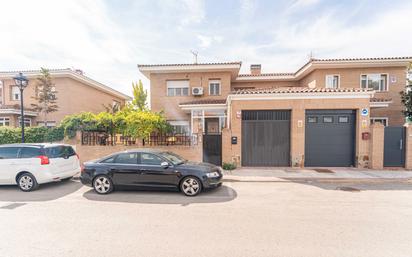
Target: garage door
266, 138
330, 138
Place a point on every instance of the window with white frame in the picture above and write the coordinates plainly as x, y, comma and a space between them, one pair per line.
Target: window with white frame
180, 126
382, 120
177, 87
27, 122
332, 81
214, 87
4, 121
15, 93
375, 81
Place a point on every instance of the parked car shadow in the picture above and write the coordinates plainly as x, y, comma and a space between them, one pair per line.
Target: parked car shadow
356, 186
218, 195
45, 192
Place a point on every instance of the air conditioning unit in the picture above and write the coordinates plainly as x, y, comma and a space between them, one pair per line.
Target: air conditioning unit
197, 90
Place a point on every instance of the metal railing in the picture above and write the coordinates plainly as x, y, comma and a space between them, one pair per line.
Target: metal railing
155, 139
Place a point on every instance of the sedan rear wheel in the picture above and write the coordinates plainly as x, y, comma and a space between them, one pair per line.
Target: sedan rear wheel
191, 186
27, 182
102, 184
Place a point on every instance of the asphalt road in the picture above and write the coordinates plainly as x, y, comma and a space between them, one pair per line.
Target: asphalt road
292, 218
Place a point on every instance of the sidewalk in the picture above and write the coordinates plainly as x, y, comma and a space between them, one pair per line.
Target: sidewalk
285, 174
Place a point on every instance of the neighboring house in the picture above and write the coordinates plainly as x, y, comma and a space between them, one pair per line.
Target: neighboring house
75, 93
315, 116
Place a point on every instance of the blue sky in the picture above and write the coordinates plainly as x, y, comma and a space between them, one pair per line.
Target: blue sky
107, 39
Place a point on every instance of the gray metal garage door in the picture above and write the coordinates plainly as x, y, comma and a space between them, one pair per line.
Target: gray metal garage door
266, 138
330, 138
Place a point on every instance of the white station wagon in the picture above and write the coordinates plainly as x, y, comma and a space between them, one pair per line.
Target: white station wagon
29, 165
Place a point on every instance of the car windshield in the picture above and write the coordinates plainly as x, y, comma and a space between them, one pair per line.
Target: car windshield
173, 158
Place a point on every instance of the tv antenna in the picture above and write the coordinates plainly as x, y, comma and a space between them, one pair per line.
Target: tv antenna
195, 54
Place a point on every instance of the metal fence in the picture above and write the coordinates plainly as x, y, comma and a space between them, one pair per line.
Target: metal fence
104, 138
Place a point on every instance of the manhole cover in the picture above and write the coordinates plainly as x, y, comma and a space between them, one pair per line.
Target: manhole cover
323, 170
349, 189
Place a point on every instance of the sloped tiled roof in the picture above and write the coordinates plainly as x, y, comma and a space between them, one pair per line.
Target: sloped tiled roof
205, 101
267, 74
188, 64
380, 100
362, 59
291, 90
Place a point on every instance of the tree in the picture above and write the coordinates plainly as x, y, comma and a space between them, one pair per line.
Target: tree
139, 101
406, 96
45, 95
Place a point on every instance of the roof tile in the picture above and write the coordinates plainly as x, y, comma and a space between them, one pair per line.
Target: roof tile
205, 101
291, 90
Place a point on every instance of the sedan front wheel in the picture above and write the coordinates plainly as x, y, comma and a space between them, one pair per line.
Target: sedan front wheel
191, 186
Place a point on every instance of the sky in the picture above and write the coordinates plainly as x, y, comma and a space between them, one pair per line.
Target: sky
108, 38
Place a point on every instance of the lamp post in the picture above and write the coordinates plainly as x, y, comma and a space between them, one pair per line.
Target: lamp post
21, 82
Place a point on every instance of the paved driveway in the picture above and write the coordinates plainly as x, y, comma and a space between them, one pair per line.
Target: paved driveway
284, 218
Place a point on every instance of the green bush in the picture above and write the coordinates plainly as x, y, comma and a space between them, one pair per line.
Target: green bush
10, 135
228, 166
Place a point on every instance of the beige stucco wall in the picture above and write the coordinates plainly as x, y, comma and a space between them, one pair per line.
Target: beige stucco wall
298, 107
72, 97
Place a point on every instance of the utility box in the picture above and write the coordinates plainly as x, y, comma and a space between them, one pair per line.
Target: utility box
234, 140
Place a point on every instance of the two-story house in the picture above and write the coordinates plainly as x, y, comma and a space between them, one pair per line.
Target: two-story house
316, 116
75, 93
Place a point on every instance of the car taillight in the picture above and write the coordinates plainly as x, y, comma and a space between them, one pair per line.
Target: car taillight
44, 160
81, 168
78, 157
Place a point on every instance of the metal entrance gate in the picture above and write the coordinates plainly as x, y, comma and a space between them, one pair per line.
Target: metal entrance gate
212, 149
394, 147
266, 138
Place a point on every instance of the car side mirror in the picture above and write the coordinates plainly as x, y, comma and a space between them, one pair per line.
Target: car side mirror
164, 164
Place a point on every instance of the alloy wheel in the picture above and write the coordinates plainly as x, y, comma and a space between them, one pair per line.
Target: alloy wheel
102, 185
191, 186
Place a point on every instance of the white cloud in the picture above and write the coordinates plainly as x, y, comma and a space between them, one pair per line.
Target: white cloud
298, 4
194, 11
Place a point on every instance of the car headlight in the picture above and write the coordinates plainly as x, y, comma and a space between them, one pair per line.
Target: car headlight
212, 174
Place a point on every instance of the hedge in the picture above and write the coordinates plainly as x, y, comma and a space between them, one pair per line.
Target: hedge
10, 135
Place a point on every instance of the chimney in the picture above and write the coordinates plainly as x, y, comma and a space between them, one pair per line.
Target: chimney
255, 69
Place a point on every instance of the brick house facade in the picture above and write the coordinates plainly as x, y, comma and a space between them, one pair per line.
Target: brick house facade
75, 93
253, 112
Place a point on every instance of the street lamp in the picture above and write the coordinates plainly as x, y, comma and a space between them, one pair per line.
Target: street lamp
21, 82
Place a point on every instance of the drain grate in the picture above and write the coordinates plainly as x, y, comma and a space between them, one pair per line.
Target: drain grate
323, 170
349, 189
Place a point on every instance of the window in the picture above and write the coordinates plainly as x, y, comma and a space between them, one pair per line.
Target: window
15, 93
9, 152
378, 82
177, 87
332, 81
174, 158
180, 126
126, 158
27, 122
312, 119
30, 152
327, 119
382, 120
109, 160
214, 87
4, 121
59, 151
150, 159
343, 119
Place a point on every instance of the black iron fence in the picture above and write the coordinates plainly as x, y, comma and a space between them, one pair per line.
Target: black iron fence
104, 138
170, 139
